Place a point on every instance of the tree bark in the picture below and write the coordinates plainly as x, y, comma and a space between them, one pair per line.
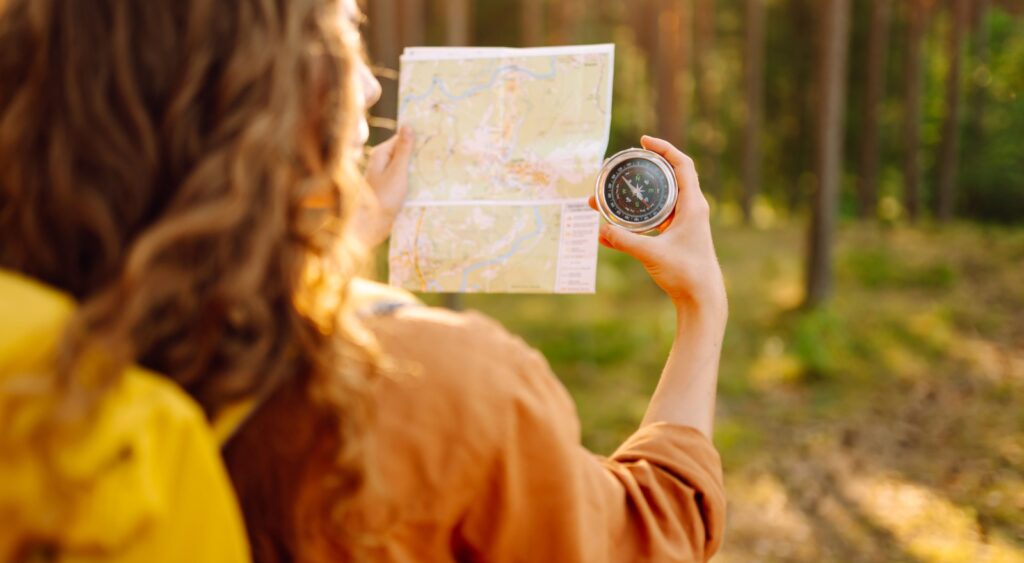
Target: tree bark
708, 130
413, 22
384, 33
878, 46
644, 19
458, 29
834, 29
912, 109
799, 159
753, 82
672, 58
949, 156
684, 71
980, 57
565, 17
531, 13
667, 64
673, 69
384, 43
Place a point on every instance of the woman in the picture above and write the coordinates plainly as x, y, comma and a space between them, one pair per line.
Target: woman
187, 171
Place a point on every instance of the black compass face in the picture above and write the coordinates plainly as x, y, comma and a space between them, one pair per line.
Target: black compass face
636, 190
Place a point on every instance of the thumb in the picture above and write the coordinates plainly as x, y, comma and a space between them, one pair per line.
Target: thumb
403, 149
624, 241
380, 156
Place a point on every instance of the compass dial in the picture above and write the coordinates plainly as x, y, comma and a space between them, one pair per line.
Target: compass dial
636, 190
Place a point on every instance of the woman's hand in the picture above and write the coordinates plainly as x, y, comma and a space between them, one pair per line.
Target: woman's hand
387, 172
682, 259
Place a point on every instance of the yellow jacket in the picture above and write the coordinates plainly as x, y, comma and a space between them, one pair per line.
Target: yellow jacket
147, 482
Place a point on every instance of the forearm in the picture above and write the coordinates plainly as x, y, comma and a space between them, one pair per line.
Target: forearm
687, 390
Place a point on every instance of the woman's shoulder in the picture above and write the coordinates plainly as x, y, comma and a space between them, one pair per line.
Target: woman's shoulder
428, 340
468, 369
462, 352
440, 326
463, 367
461, 393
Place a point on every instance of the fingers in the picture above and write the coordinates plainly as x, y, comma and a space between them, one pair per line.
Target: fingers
380, 155
402, 151
622, 240
691, 198
674, 156
395, 150
592, 202
668, 222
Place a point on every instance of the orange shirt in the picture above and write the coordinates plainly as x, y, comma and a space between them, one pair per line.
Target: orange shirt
478, 451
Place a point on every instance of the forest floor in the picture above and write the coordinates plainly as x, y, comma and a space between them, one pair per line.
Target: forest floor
888, 426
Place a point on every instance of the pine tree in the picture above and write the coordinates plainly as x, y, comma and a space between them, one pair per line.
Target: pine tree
834, 29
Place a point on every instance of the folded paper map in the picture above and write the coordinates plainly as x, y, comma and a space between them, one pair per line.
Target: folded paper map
508, 145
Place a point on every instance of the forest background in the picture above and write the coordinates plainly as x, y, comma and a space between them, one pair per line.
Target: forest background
865, 162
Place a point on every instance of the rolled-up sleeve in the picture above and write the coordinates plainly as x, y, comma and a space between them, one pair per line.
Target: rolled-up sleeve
659, 497
672, 479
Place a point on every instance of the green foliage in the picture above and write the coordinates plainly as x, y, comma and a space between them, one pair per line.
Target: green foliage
993, 175
736, 440
816, 337
878, 268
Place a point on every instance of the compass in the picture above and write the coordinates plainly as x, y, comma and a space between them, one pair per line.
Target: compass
636, 190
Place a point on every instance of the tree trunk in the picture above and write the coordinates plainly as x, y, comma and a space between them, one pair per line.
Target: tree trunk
672, 66
458, 23
644, 19
753, 82
949, 156
799, 157
978, 92
384, 42
878, 46
684, 72
532, 22
565, 17
667, 75
708, 131
834, 29
912, 109
413, 22
384, 36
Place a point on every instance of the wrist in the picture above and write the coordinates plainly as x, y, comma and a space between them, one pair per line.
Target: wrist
707, 315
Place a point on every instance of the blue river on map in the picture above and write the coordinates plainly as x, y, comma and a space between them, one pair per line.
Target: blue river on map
538, 228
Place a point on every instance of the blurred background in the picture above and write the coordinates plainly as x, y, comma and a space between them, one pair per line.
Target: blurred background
865, 162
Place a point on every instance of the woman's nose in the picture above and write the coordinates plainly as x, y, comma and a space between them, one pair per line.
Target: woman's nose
371, 86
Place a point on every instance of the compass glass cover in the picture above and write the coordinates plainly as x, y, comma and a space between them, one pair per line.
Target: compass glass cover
636, 190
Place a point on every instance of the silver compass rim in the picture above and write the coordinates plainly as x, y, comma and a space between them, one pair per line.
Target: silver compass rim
653, 222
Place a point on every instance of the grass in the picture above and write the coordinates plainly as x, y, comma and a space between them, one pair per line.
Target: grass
887, 426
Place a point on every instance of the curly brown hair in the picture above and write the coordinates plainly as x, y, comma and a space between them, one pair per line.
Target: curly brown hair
157, 162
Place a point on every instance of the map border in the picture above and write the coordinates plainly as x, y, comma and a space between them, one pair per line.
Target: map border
425, 54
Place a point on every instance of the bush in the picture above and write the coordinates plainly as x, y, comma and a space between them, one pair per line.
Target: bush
877, 268
992, 179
